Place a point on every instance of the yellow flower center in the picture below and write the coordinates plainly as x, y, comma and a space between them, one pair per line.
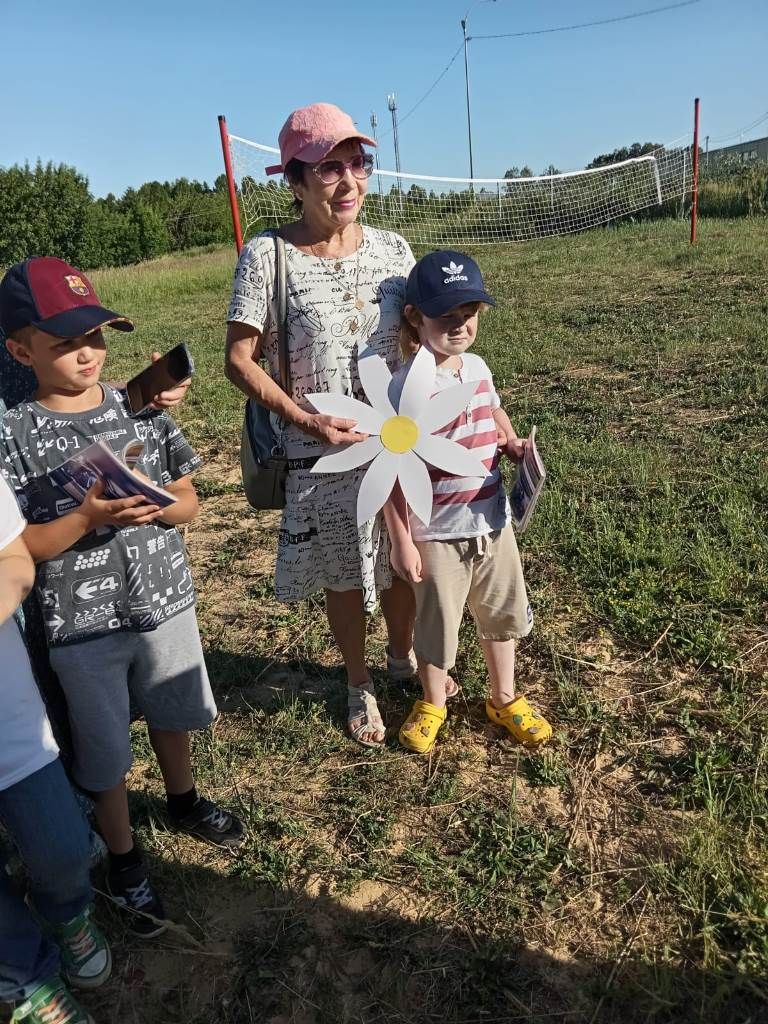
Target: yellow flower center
399, 434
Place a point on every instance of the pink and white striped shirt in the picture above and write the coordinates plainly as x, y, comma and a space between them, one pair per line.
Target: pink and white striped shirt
465, 506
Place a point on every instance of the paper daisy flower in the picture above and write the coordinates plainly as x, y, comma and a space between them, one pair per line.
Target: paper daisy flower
402, 440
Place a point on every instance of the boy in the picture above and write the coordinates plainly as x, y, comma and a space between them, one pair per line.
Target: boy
112, 575
38, 809
467, 554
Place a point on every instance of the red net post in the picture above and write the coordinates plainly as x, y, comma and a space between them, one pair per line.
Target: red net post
234, 208
695, 175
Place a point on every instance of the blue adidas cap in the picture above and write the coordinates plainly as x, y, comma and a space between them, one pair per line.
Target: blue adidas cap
443, 280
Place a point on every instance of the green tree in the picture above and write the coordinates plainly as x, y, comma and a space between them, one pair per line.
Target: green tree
624, 153
151, 229
42, 211
513, 172
17, 215
417, 194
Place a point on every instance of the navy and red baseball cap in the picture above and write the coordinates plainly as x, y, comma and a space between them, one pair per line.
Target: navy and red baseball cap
443, 280
49, 294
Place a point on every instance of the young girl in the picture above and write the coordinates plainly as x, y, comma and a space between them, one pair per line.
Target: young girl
467, 555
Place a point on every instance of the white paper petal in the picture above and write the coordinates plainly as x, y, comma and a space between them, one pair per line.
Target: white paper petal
350, 457
375, 378
419, 384
416, 485
376, 485
367, 419
443, 409
450, 456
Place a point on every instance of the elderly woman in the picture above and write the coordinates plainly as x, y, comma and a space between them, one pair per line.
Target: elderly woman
345, 287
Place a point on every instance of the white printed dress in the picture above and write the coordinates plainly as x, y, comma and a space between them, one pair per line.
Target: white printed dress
320, 545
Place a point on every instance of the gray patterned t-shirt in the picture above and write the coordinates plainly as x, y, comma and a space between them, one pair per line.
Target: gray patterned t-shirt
132, 578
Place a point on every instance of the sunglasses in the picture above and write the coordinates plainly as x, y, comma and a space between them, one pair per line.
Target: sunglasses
332, 171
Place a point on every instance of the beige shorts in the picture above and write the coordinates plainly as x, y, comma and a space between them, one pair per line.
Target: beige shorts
483, 573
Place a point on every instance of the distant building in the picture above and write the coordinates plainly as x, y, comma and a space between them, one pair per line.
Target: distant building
743, 152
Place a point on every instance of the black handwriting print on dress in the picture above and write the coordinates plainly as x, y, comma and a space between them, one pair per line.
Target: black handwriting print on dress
351, 325
254, 276
307, 319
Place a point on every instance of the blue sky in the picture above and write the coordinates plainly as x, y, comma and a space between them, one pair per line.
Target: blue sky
129, 93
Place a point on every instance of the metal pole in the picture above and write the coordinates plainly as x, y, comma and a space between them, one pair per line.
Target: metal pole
374, 122
392, 104
466, 85
695, 178
706, 144
467, 38
234, 209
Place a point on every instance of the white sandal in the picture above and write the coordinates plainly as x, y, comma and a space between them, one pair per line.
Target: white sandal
363, 715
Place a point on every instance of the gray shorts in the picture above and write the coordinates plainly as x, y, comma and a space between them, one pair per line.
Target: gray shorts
161, 672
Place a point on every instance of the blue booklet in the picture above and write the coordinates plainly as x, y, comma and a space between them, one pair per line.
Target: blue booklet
77, 475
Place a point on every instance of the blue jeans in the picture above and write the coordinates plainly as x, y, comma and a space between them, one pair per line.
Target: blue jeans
42, 817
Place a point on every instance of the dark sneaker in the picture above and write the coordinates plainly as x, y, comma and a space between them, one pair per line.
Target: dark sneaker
212, 823
51, 1003
85, 957
131, 889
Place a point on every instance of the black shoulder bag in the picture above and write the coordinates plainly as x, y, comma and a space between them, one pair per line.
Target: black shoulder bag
263, 462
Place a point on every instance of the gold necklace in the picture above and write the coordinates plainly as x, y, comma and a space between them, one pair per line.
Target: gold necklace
347, 297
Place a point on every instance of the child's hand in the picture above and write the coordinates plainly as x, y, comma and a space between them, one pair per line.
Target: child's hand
167, 399
406, 561
501, 439
119, 512
515, 449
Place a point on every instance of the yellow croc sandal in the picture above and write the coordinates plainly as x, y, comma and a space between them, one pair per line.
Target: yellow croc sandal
521, 721
419, 730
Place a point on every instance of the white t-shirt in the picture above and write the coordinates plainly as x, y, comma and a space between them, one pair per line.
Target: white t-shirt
335, 309
465, 506
26, 740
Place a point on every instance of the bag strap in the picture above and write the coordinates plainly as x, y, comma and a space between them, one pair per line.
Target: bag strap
283, 360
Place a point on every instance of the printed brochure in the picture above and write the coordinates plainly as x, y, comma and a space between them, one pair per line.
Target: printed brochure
528, 485
98, 462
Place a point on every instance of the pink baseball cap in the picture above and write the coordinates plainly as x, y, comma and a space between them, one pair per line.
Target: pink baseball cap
310, 133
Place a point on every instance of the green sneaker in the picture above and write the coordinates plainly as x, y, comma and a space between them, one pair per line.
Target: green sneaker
51, 1003
85, 957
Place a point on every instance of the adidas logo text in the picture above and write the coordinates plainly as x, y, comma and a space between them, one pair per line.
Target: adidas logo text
453, 270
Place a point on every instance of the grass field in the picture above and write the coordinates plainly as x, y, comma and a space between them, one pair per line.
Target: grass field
620, 876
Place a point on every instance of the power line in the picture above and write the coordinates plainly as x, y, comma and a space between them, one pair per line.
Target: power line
588, 24
742, 131
534, 32
430, 90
